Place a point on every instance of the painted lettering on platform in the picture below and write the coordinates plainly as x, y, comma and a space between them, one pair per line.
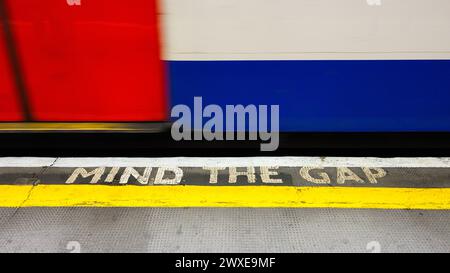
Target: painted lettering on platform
123, 176
251, 175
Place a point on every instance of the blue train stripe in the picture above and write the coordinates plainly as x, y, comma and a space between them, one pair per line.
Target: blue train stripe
325, 96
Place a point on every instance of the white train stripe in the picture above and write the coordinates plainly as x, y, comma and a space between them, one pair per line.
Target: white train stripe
227, 162
305, 29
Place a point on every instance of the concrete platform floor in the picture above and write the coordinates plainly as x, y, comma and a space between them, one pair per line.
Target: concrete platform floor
222, 230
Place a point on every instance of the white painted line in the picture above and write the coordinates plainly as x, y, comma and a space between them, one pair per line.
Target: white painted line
26, 161
229, 161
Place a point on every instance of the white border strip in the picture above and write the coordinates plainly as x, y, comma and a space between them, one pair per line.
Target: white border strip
227, 162
306, 56
26, 161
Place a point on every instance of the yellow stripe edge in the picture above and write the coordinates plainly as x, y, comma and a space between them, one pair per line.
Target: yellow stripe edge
223, 196
78, 126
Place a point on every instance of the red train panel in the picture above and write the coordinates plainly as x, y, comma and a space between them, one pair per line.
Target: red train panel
97, 61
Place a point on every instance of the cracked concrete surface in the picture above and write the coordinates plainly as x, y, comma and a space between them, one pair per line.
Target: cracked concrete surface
36, 179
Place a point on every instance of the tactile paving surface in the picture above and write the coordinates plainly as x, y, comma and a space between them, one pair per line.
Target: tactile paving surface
222, 230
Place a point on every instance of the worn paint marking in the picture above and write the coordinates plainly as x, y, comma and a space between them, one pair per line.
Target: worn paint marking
236, 176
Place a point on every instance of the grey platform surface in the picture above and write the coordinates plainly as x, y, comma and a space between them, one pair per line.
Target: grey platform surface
222, 230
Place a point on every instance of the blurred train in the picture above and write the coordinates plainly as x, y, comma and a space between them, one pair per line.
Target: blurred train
332, 66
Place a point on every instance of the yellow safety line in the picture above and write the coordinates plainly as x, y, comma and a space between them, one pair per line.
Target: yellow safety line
73, 126
223, 196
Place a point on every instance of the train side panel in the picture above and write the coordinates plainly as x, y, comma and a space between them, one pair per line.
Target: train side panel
96, 61
332, 66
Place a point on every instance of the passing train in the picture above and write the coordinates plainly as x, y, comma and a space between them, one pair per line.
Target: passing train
331, 66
